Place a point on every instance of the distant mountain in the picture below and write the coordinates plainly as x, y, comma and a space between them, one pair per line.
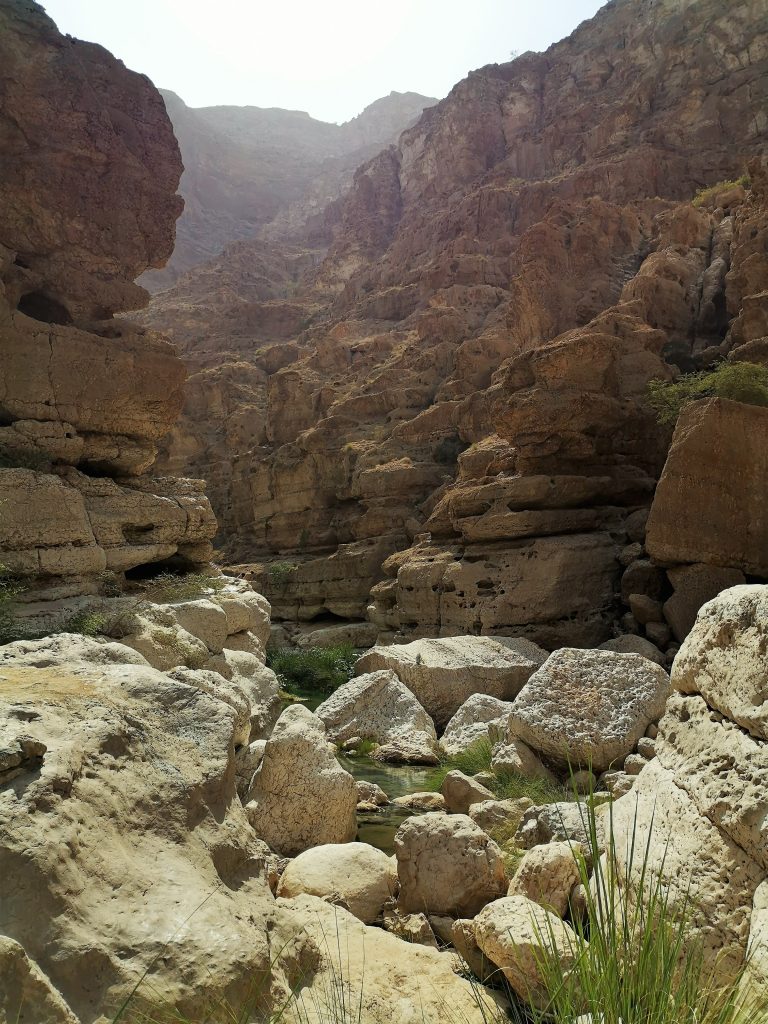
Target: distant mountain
246, 166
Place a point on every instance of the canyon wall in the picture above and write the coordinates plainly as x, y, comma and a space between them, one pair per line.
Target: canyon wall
250, 171
88, 200
441, 423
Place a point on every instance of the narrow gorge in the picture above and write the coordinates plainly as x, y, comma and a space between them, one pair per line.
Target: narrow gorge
383, 539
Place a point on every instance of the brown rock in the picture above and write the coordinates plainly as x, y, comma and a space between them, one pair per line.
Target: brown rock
711, 499
694, 586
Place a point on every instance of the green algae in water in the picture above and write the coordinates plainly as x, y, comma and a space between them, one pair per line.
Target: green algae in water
377, 828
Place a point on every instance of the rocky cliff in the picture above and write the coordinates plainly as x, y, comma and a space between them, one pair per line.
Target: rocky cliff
456, 391
249, 170
88, 200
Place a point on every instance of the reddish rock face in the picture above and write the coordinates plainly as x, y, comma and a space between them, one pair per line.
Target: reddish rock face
90, 169
87, 201
499, 289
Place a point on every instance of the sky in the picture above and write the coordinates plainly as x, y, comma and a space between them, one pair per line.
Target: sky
329, 57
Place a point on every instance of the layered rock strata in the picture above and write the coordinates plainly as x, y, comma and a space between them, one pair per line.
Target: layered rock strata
455, 436
87, 201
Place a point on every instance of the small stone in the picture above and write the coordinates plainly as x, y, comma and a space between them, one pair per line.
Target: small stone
630, 554
634, 764
658, 633
635, 525
410, 928
646, 747
461, 791
421, 801
646, 609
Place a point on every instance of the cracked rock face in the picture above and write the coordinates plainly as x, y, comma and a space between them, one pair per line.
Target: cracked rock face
701, 802
87, 201
121, 829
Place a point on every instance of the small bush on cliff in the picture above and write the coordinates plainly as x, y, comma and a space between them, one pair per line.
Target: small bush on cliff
281, 572
740, 382
704, 194
169, 586
314, 669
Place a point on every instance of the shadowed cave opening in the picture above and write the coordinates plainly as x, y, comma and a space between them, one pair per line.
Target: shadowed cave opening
42, 307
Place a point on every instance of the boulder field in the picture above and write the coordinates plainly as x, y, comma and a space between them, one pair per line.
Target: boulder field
123, 828
443, 434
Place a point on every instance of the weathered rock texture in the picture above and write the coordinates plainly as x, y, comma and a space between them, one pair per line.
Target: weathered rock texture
444, 427
702, 799
250, 171
87, 201
301, 796
121, 830
710, 505
444, 674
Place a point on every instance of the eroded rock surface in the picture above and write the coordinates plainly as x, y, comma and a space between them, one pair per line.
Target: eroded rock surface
301, 796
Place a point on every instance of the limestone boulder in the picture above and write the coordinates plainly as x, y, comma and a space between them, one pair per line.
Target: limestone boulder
461, 791
547, 874
631, 644
496, 814
443, 674
710, 503
301, 796
374, 964
722, 769
589, 708
446, 864
516, 934
513, 756
353, 875
480, 717
132, 771
377, 706
723, 657
702, 868
25, 992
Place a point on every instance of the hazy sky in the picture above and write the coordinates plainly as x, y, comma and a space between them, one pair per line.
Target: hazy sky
330, 57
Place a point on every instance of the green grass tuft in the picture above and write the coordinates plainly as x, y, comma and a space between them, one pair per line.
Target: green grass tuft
313, 669
703, 195
168, 586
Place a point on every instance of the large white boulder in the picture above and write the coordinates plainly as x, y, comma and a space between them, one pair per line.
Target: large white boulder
385, 980
301, 796
480, 717
443, 674
447, 865
589, 707
546, 875
723, 657
377, 706
516, 934
120, 828
353, 875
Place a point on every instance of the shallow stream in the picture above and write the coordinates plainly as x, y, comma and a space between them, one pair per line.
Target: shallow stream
378, 828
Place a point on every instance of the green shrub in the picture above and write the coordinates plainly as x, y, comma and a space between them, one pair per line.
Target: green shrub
169, 586
704, 194
281, 572
740, 382
314, 669
504, 784
88, 622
